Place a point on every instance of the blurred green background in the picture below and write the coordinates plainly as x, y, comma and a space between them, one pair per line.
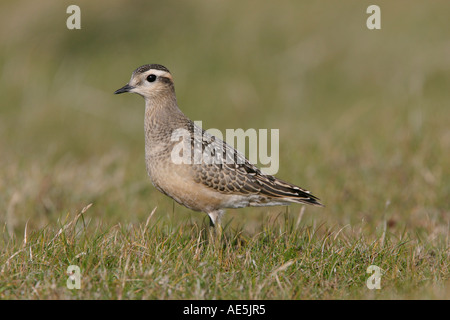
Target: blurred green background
363, 114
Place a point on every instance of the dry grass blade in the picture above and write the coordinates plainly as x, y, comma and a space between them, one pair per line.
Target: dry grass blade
64, 228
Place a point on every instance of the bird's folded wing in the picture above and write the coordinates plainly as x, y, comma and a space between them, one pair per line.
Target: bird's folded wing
226, 170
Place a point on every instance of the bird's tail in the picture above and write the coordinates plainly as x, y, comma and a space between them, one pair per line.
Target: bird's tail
285, 191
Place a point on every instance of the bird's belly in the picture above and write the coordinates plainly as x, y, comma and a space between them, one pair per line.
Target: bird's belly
177, 182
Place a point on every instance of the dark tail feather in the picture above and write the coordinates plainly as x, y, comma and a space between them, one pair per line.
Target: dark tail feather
277, 188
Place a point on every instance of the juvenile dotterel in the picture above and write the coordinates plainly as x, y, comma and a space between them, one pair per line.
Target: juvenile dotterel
207, 186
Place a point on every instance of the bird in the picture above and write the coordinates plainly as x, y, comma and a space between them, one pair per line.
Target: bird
225, 179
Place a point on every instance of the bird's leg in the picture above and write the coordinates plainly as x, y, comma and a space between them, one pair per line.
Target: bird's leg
215, 219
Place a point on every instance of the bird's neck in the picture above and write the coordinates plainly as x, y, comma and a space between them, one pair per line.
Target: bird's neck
162, 117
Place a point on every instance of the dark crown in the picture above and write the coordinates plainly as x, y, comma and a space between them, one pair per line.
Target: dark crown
147, 67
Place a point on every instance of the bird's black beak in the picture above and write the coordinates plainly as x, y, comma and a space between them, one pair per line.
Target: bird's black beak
125, 88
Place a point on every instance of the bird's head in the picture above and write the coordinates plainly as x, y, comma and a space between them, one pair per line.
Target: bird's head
149, 81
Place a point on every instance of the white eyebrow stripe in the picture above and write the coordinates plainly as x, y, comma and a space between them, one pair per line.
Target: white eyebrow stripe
159, 73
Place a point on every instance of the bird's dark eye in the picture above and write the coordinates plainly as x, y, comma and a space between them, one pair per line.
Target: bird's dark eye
151, 78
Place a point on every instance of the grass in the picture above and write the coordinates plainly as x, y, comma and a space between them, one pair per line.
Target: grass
155, 260
363, 119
